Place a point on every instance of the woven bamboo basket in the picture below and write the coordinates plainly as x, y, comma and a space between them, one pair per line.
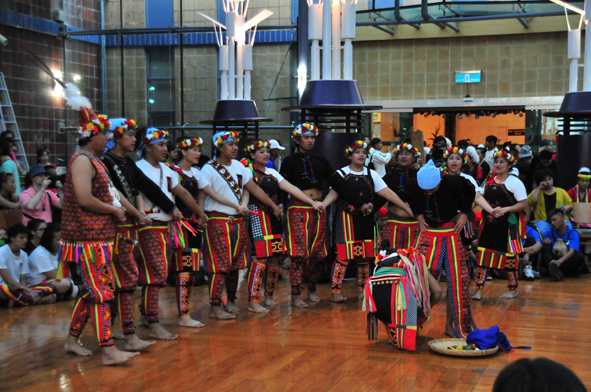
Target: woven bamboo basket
441, 346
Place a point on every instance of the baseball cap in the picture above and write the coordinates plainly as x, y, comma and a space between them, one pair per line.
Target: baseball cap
275, 145
37, 170
525, 151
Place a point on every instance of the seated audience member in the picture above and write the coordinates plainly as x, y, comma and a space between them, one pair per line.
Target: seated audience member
36, 229
532, 245
580, 192
378, 158
43, 263
537, 375
36, 200
8, 165
547, 197
2, 237
546, 162
43, 157
560, 251
14, 267
8, 197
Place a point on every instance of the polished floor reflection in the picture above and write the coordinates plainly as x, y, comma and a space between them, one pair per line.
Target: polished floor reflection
319, 349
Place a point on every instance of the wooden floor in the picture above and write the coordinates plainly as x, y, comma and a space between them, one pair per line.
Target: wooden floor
319, 349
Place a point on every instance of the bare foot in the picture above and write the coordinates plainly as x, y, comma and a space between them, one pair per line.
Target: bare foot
50, 299
133, 343
257, 308
217, 312
232, 308
298, 302
451, 331
144, 321
112, 356
187, 321
338, 298
118, 335
313, 297
157, 331
73, 345
510, 294
477, 295
269, 301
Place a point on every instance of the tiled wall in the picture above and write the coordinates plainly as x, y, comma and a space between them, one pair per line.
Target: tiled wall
134, 14
512, 66
134, 73
39, 113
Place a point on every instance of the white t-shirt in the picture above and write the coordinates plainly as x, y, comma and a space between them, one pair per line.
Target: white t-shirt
274, 173
515, 186
473, 182
196, 173
380, 160
378, 183
166, 179
241, 175
489, 156
16, 265
40, 261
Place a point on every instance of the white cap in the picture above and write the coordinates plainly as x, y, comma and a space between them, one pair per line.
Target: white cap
275, 145
481, 146
584, 170
514, 172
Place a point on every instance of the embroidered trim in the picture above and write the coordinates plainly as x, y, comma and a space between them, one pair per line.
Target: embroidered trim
234, 187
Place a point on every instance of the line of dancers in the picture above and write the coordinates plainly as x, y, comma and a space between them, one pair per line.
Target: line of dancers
230, 213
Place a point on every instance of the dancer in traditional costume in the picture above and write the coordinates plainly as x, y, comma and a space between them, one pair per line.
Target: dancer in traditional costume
402, 230
435, 201
356, 229
305, 228
266, 230
129, 180
455, 159
187, 258
226, 235
580, 192
92, 206
502, 232
398, 294
158, 239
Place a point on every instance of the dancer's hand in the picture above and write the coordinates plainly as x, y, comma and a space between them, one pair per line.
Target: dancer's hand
277, 212
318, 207
119, 213
422, 224
202, 220
144, 220
176, 214
367, 209
243, 210
33, 294
460, 223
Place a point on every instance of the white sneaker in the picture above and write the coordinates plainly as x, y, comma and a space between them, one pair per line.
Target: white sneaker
528, 272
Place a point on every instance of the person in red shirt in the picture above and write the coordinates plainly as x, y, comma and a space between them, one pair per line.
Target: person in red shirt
580, 192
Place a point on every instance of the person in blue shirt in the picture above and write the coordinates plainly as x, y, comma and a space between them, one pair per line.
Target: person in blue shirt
532, 245
569, 261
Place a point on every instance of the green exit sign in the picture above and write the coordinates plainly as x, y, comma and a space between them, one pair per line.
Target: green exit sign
468, 76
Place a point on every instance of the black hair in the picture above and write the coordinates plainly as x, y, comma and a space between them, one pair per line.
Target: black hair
522, 167
34, 224
5, 133
4, 147
49, 235
15, 230
463, 144
439, 139
537, 375
140, 134
546, 154
4, 176
492, 139
542, 174
40, 152
555, 211
374, 142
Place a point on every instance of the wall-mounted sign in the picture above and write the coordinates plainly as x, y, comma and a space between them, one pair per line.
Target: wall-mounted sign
468, 76
516, 132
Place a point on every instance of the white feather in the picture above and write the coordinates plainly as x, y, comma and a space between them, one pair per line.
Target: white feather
74, 98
